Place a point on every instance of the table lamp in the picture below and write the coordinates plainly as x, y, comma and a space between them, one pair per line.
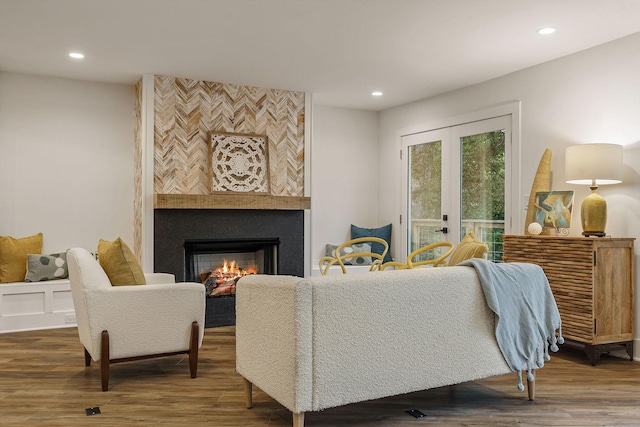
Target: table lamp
593, 164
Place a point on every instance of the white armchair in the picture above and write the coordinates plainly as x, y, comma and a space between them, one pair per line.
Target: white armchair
126, 323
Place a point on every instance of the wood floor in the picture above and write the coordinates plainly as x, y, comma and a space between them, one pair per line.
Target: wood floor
43, 381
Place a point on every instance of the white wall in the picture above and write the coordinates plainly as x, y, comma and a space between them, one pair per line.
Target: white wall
66, 160
79, 136
592, 96
344, 175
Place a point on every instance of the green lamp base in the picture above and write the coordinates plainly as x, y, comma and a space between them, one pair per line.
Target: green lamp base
593, 213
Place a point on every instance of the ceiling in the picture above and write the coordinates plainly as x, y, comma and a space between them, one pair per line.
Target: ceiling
339, 50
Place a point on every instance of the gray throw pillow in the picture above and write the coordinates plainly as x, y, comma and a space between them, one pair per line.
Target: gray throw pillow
357, 260
46, 267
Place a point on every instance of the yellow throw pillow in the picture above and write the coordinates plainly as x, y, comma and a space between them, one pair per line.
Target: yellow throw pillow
119, 263
13, 256
469, 247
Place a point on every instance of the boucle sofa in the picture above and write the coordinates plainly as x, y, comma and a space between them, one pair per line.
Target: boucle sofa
320, 342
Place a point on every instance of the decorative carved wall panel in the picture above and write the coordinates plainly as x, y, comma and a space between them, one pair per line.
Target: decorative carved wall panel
239, 162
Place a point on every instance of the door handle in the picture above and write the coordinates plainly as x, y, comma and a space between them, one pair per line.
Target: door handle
443, 230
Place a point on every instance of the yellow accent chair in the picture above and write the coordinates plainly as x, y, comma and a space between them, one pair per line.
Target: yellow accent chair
469, 247
327, 261
411, 261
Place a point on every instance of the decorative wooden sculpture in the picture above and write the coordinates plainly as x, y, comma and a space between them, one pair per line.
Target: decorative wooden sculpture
541, 182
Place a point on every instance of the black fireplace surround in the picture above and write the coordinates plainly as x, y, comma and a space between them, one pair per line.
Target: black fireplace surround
173, 227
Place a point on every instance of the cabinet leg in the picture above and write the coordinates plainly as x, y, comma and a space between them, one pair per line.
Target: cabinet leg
593, 353
629, 347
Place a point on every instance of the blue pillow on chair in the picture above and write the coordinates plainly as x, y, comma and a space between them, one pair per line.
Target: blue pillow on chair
382, 233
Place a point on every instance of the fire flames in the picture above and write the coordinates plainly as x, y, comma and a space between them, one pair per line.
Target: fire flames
228, 271
222, 279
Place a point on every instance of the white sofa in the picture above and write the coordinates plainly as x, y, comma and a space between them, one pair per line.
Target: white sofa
320, 342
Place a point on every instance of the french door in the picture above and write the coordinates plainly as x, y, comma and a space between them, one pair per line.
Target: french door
457, 179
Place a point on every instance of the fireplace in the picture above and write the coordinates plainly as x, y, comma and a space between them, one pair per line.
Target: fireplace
272, 238
249, 256
216, 262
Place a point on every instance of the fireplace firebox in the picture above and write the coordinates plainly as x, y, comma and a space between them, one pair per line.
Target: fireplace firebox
251, 256
274, 239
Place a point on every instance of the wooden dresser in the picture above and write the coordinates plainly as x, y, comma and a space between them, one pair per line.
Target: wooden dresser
592, 281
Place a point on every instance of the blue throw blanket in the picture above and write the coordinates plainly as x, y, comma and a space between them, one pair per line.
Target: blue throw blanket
527, 314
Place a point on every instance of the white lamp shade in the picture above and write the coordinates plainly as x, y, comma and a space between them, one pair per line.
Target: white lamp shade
588, 162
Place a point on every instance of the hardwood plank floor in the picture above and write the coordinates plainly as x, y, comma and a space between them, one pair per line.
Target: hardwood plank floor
43, 381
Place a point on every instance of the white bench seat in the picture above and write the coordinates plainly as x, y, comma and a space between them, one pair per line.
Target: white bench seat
27, 306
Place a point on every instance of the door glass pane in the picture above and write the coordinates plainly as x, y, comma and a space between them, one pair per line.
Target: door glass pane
425, 197
483, 189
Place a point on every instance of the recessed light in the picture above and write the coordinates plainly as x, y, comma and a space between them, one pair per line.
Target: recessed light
376, 93
76, 55
547, 30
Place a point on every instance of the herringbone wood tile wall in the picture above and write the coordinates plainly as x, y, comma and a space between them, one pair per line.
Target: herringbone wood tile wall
187, 111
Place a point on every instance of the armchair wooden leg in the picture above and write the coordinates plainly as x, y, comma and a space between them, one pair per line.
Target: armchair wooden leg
87, 358
193, 349
104, 360
298, 419
248, 399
